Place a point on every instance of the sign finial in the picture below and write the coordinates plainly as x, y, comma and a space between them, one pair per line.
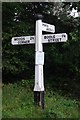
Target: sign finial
39, 16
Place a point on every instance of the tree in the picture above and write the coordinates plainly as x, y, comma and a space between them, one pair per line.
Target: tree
18, 20
19, 23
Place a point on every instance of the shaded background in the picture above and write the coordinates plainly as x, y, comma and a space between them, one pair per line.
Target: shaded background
62, 60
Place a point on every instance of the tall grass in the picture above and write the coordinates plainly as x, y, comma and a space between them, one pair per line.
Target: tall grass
18, 102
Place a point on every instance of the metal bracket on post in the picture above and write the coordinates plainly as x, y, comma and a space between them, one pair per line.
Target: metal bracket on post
39, 61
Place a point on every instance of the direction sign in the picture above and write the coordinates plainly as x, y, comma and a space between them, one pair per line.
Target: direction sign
23, 40
38, 39
48, 28
48, 38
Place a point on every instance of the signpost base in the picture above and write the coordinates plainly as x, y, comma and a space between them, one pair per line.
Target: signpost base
36, 98
39, 98
42, 99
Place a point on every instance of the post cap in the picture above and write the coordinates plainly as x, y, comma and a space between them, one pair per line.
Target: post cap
39, 16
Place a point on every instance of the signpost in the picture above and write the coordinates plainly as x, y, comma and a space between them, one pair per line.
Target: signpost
48, 28
23, 40
38, 40
39, 56
48, 38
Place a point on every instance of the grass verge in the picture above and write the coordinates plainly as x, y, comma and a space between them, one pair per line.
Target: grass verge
18, 102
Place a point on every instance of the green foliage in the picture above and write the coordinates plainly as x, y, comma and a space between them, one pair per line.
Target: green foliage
18, 60
61, 59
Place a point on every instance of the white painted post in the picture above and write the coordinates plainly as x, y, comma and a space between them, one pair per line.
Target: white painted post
39, 54
39, 57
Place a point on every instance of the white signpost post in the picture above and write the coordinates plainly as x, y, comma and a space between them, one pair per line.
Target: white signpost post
38, 40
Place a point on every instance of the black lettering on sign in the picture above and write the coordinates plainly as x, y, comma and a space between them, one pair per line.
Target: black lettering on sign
44, 37
28, 41
49, 37
20, 38
57, 40
54, 40
53, 36
60, 39
24, 42
63, 36
49, 29
45, 25
31, 38
50, 40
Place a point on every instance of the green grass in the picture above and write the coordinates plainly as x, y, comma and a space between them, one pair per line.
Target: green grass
0, 100
18, 103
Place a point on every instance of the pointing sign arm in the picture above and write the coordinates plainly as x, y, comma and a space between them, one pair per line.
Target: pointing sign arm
23, 40
48, 27
50, 38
